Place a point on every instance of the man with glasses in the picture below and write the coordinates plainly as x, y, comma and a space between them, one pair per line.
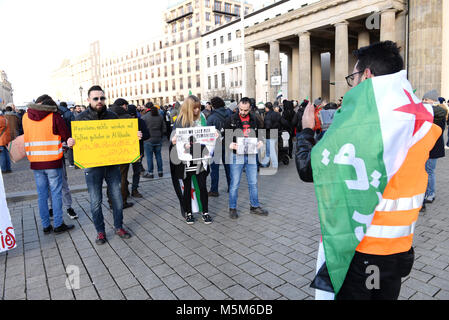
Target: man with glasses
95, 176
243, 124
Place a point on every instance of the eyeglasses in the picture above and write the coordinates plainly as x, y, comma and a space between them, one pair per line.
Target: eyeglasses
350, 78
99, 98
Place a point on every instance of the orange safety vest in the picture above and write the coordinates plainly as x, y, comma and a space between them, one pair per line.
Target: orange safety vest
393, 225
41, 145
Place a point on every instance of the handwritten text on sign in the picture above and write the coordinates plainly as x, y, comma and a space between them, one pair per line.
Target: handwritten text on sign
105, 142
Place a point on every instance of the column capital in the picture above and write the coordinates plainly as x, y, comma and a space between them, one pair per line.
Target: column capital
250, 49
271, 42
341, 23
303, 34
389, 10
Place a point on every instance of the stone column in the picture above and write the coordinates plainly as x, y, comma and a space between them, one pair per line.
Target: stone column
341, 59
388, 25
364, 39
305, 66
316, 75
250, 83
275, 68
290, 75
295, 74
401, 29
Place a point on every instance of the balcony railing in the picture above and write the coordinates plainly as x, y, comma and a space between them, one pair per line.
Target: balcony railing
169, 19
234, 59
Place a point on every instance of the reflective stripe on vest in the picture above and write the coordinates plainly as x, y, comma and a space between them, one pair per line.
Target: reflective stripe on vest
41, 145
393, 225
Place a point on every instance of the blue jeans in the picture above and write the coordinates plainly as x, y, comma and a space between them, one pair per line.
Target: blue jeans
94, 180
215, 173
431, 164
49, 179
238, 163
66, 196
271, 154
5, 161
155, 148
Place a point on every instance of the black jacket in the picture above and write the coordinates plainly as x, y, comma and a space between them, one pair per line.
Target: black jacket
440, 120
297, 120
304, 146
234, 123
156, 126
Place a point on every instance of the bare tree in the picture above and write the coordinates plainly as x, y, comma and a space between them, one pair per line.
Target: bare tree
223, 93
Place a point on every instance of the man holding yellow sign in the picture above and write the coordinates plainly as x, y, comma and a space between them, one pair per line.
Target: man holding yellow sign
102, 145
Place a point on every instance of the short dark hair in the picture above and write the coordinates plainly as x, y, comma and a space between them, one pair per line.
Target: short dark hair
8, 109
94, 88
245, 100
269, 105
381, 58
63, 104
217, 102
120, 102
46, 100
149, 105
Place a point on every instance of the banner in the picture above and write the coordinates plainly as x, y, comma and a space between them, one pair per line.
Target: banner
196, 143
7, 236
105, 142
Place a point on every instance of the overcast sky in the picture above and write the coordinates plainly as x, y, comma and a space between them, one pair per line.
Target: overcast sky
39, 34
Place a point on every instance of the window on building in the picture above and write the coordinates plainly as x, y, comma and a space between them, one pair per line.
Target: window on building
222, 56
189, 82
188, 51
198, 81
228, 19
223, 80
209, 82
217, 19
173, 84
207, 45
208, 62
215, 60
207, 3
237, 10
207, 16
217, 5
172, 69
197, 48
180, 68
181, 85
197, 68
179, 52
216, 81
221, 39
215, 42
229, 36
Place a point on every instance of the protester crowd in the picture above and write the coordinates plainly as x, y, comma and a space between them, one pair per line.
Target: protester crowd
46, 128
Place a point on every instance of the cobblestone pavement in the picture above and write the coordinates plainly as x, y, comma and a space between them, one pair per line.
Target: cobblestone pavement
251, 258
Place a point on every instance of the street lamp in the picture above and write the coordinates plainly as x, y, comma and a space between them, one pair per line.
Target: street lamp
81, 94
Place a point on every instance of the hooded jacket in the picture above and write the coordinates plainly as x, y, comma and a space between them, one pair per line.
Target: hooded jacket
37, 112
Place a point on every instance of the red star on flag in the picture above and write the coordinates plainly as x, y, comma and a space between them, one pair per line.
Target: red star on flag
417, 109
192, 191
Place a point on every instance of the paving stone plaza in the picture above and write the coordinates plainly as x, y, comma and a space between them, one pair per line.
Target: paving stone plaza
266, 258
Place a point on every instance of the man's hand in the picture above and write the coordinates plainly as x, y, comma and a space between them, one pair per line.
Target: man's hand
308, 118
233, 146
70, 142
259, 145
173, 140
139, 135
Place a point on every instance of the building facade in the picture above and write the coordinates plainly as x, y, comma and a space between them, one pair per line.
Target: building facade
319, 39
6, 91
168, 68
74, 77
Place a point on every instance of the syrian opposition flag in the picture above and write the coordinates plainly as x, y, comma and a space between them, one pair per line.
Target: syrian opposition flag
197, 206
368, 166
279, 95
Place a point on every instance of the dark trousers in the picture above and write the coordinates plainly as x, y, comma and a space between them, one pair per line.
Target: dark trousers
137, 169
187, 198
358, 284
124, 168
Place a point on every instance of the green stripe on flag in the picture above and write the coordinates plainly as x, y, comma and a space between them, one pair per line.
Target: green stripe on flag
197, 193
349, 175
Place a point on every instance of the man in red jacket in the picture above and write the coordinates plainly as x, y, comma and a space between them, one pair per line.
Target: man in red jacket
44, 132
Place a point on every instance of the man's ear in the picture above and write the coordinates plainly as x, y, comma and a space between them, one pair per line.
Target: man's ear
368, 74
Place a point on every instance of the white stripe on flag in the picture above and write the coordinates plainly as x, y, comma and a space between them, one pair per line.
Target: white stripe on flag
390, 232
403, 204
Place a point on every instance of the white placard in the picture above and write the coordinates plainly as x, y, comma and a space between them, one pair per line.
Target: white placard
276, 80
247, 145
196, 143
7, 236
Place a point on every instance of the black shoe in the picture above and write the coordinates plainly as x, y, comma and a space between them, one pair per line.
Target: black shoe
213, 194
50, 213
127, 205
7, 171
149, 176
161, 174
48, 229
190, 219
259, 211
233, 213
63, 228
101, 238
207, 218
72, 214
136, 194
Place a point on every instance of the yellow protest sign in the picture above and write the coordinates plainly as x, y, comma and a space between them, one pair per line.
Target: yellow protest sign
105, 142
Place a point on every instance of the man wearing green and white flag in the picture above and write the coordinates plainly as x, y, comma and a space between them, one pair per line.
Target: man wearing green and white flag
370, 179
